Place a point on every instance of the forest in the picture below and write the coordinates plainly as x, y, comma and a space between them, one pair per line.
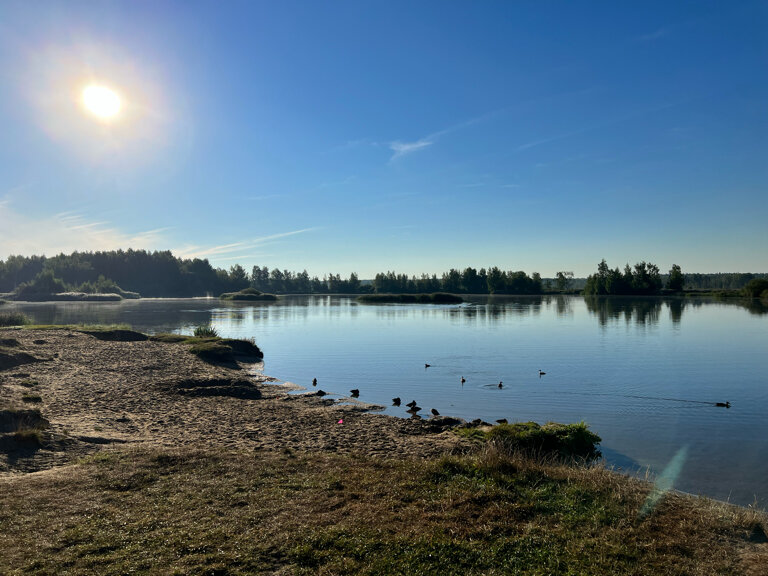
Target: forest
131, 273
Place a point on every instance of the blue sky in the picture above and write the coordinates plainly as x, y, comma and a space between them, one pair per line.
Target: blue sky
407, 136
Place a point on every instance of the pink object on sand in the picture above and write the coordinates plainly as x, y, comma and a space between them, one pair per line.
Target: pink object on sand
340, 422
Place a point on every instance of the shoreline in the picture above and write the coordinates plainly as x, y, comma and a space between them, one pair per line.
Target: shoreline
141, 457
100, 395
210, 404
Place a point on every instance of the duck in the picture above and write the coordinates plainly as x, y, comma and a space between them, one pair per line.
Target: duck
355, 393
463, 379
427, 365
411, 404
501, 421
723, 404
395, 401
541, 373
435, 412
321, 393
413, 409
501, 384
314, 381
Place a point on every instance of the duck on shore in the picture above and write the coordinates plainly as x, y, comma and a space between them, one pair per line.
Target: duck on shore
435, 412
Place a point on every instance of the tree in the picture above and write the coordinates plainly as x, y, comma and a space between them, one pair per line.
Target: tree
676, 280
564, 281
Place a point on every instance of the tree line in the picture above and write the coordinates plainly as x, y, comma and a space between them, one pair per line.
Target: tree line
161, 274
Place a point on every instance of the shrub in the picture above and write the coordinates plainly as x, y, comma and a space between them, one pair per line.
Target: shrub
13, 319
206, 331
756, 287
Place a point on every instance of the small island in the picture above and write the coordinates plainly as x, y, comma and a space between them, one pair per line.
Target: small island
434, 298
248, 295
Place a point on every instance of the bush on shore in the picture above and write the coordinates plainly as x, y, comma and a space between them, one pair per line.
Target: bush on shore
13, 319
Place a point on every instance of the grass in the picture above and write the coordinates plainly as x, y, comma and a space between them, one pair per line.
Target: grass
434, 298
192, 511
26, 425
248, 294
206, 331
214, 349
13, 319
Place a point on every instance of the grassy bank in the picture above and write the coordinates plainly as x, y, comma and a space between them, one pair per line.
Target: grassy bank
435, 298
268, 512
248, 295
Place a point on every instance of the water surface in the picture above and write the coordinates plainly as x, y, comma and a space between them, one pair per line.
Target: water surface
645, 374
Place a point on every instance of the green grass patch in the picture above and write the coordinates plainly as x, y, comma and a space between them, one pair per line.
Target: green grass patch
222, 512
206, 331
567, 441
434, 298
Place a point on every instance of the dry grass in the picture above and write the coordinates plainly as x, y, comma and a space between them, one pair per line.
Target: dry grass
271, 512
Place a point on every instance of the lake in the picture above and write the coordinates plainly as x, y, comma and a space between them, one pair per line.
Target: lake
645, 374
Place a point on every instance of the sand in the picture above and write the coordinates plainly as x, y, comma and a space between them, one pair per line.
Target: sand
102, 395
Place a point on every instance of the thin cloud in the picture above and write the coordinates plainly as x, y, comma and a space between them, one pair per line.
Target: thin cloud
231, 251
401, 149
67, 232
660, 33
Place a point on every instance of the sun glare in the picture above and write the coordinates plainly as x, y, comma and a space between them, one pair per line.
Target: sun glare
101, 101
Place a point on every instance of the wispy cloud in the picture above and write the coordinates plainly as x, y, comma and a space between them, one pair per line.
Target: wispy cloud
660, 33
236, 249
401, 149
67, 232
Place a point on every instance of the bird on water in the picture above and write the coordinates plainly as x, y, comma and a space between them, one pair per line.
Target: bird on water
355, 393
314, 381
413, 409
541, 373
723, 404
427, 365
396, 401
435, 412
463, 380
501, 384
411, 404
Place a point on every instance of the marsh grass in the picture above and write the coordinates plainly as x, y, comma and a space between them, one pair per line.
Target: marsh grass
13, 319
206, 331
240, 513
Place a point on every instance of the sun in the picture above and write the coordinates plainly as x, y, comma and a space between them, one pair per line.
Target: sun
101, 101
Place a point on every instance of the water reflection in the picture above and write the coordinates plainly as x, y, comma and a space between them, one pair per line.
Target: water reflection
646, 311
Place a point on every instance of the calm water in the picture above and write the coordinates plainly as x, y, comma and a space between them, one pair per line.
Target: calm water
644, 374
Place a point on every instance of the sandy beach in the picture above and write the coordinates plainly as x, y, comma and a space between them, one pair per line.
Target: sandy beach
99, 395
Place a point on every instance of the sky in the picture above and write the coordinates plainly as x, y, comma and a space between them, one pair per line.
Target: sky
387, 135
